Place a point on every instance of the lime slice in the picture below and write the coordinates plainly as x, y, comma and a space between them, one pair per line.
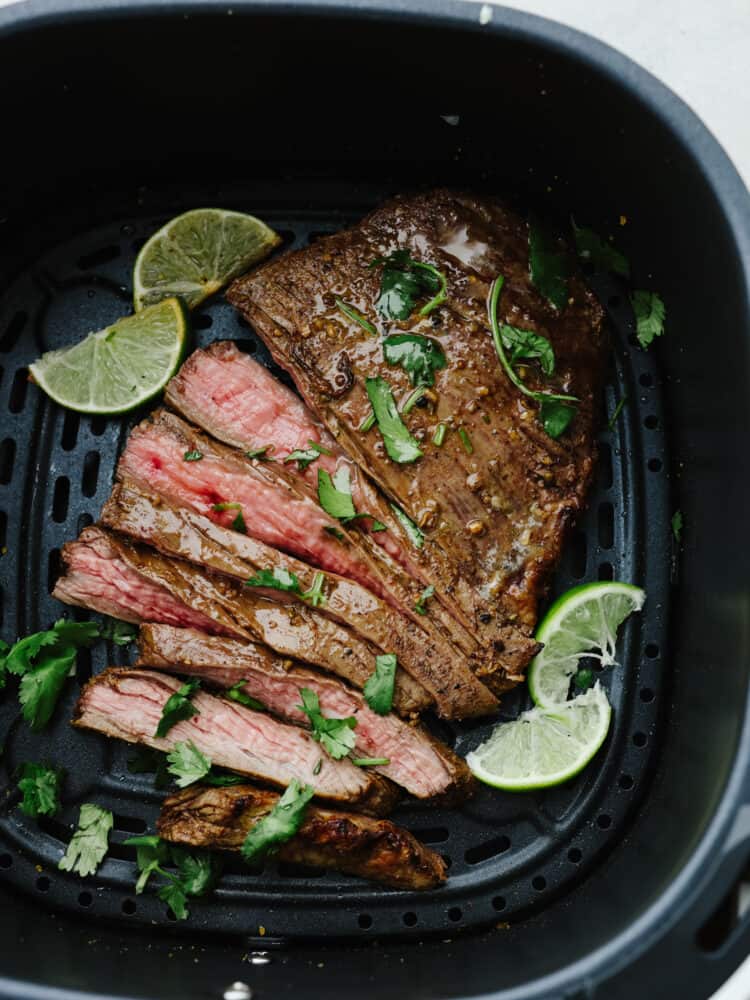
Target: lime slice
584, 621
119, 367
198, 252
543, 747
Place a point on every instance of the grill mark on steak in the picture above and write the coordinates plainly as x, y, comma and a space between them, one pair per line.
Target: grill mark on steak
220, 819
418, 763
127, 703
522, 486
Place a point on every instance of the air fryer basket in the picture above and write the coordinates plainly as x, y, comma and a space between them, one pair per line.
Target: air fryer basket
122, 116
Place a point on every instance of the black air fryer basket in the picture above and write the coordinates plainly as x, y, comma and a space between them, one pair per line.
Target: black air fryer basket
117, 116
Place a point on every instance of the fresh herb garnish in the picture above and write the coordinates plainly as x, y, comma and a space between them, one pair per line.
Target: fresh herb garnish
237, 693
466, 441
583, 679
187, 764
277, 578
238, 522
403, 281
617, 411
330, 530
548, 265
368, 423
335, 495
39, 786
399, 443
221, 507
420, 357
412, 399
650, 313
177, 708
148, 761
677, 525
261, 454
220, 779
302, 458
378, 689
120, 633
316, 446
197, 872
315, 596
335, 735
555, 419
413, 533
89, 843
425, 596
281, 823
355, 316
601, 253
193, 456
439, 435
527, 345
370, 761
318, 766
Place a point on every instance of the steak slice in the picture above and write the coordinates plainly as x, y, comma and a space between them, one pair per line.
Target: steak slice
418, 763
285, 516
494, 519
186, 596
375, 849
127, 704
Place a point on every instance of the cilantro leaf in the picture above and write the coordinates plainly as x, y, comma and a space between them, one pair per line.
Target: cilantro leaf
303, 458
277, 578
40, 788
351, 313
548, 265
335, 495
77, 633
229, 505
148, 761
601, 253
198, 870
262, 454
237, 693
370, 761
420, 357
399, 443
193, 456
677, 525
403, 280
413, 533
40, 687
89, 843
151, 853
556, 416
617, 411
650, 313
281, 823
238, 524
466, 440
196, 874
21, 654
177, 708
221, 779
378, 689
188, 764
528, 345
120, 633
426, 594
315, 595
321, 449
335, 735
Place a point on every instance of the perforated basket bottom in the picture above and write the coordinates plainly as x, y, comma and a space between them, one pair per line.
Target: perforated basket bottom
507, 854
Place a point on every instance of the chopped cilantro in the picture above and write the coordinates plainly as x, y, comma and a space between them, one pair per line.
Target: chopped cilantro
548, 265
89, 843
420, 357
281, 823
403, 281
351, 313
378, 689
188, 764
399, 443
650, 313
237, 693
177, 708
335, 735
425, 596
193, 456
40, 789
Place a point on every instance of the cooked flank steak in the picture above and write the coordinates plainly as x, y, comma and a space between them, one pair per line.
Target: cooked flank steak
374, 849
416, 761
127, 703
494, 500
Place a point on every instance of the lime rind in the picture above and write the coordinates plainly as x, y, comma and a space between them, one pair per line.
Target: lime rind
117, 368
544, 747
196, 253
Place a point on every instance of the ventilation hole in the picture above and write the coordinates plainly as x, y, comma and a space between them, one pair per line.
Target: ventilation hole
18, 391
129, 907
71, 423
202, 321
640, 739
43, 883
651, 422
365, 921
241, 321
60, 499
98, 425
578, 548
574, 856
655, 464
455, 913
606, 571
6, 861
85, 899
647, 694
606, 525
410, 919
490, 849
605, 467
432, 834
498, 902
625, 782
129, 824
614, 301
90, 473
98, 257
13, 332
646, 379
289, 869
7, 454
652, 650
53, 569
539, 882
604, 822
84, 520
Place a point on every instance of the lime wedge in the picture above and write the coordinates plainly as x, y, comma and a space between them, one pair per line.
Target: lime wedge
543, 747
198, 252
118, 368
584, 621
